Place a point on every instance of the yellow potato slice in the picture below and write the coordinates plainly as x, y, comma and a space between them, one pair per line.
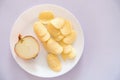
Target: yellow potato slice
58, 22
45, 46
45, 22
54, 62
70, 55
40, 29
70, 38
54, 47
62, 43
52, 30
67, 49
46, 16
60, 37
66, 29
45, 38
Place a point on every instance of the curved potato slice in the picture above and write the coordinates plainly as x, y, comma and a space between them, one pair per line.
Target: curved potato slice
45, 38
54, 62
67, 49
52, 30
58, 22
70, 38
45, 22
46, 16
67, 28
54, 47
40, 29
70, 55
60, 37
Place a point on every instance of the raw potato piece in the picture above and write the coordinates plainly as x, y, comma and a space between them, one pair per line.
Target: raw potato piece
46, 16
66, 29
70, 55
54, 62
45, 38
58, 22
40, 29
70, 38
27, 47
67, 49
52, 30
62, 43
54, 47
58, 38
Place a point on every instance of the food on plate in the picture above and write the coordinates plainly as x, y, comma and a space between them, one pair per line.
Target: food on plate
69, 39
45, 38
46, 16
57, 36
67, 49
41, 31
70, 55
62, 43
58, 22
27, 47
54, 62
66, 29
52, 30
54, 47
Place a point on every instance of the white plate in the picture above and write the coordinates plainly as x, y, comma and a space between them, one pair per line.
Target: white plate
24, 26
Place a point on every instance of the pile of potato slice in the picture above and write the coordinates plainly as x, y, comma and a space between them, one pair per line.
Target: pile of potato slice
57, 36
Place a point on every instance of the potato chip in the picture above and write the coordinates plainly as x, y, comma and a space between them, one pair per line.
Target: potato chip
70, 55
40, 29
67, 49
45, 38
58, 38
58, 22
54, 62
54, 47
62, 43
45, 22
67, 28
70, 38
46, 16
53, 31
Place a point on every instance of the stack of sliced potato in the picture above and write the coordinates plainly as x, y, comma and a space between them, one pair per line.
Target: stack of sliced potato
57, 36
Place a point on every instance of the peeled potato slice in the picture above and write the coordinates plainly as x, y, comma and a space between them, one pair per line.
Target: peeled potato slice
70, 55
67, 49
45, 38
62, 43
52, 30
58, 22
46, 16
54, 47
27, 47
58, 38
70, 38
54, 62
40, 29
66, 29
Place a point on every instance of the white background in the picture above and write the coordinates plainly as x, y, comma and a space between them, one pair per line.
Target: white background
100, 20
